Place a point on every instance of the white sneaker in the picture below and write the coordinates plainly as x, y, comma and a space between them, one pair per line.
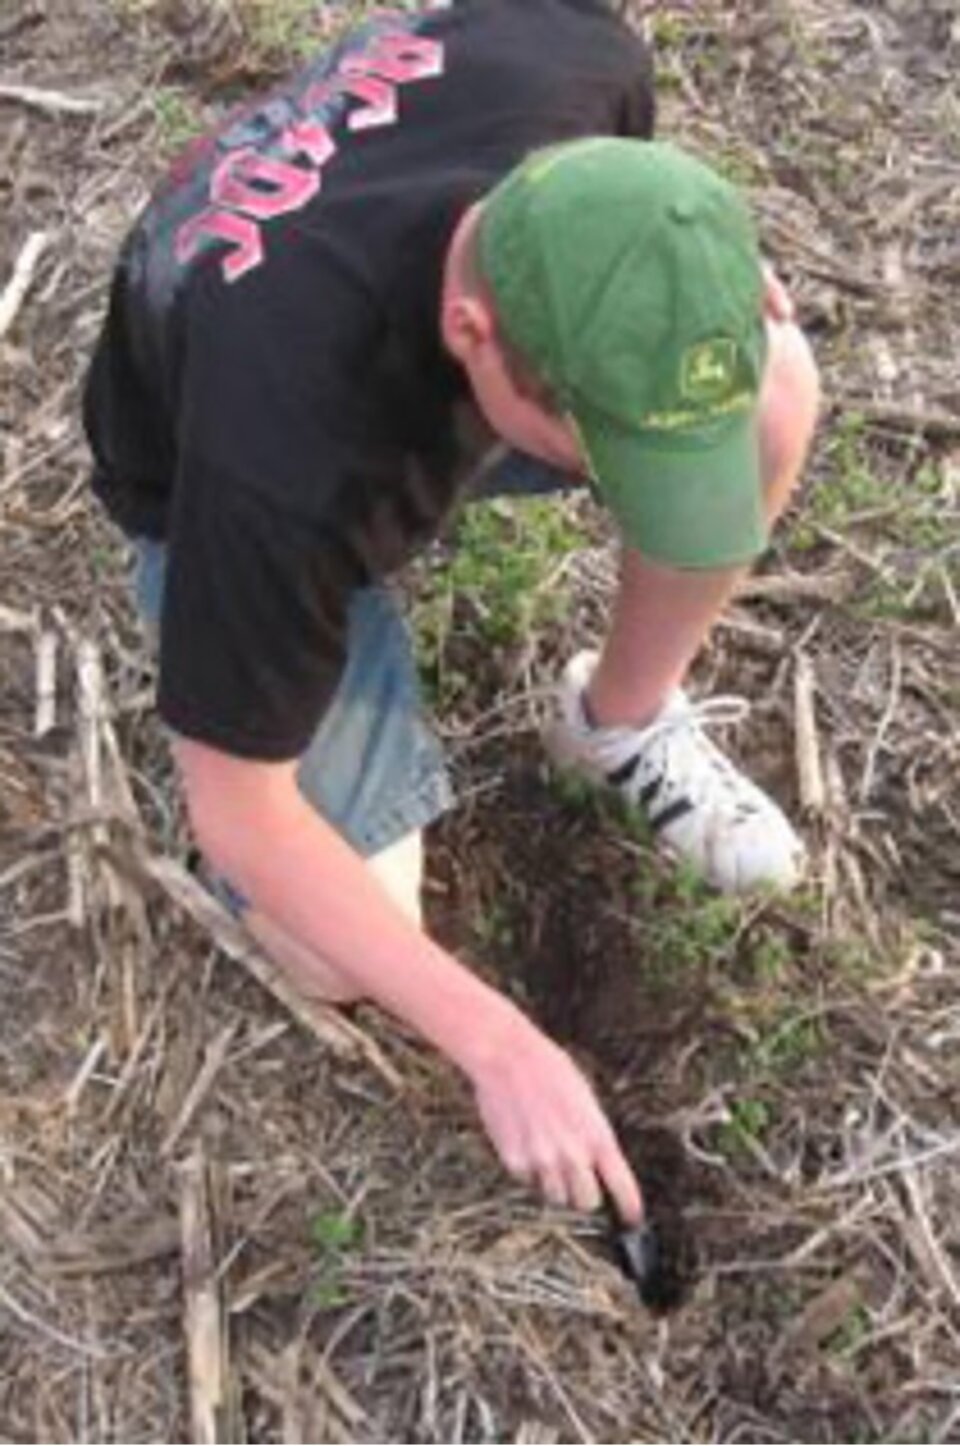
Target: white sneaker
699, 806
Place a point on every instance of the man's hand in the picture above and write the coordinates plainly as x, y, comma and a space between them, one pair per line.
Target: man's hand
546, 1124
256, 829
777, 301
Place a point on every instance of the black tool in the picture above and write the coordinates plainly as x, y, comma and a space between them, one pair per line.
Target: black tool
639, 1253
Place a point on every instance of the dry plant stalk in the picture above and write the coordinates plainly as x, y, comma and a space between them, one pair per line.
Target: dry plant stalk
213, 1059
24, 270
45, 715
813, 792
203, 1318
52, 102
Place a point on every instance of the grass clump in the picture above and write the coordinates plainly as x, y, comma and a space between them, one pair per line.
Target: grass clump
178, 118
503, 580
335, 1235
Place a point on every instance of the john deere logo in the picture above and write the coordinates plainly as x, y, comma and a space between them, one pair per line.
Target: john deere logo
709, 371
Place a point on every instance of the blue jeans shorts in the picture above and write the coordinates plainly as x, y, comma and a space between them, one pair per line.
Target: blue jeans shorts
374, 769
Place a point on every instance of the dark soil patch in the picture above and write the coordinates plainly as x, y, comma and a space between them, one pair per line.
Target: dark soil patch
784, 1075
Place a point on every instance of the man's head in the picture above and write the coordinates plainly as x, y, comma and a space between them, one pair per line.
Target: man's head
606, 303
511, 396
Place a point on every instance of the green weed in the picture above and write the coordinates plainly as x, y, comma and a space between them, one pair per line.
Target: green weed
178, 118
907, 524
574, 790
693, 929
494, 926
913, 512
499, 585
334, 1235
294, 29
738, 167
750, 1119
849, 486
286, 29
792, 1041
669, 31
851, 1333
769, 958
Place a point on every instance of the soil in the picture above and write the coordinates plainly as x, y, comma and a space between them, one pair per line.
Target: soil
178, 1145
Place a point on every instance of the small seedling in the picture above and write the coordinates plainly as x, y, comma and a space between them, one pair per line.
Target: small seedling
334, 1234
770, 958
793, 1042
177, 116
749, 1121
503, 580
288, 29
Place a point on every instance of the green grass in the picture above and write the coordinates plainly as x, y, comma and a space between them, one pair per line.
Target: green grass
495, 926
335, 1235
911, 511
850, 1335
750, 1119
178, 118
670, 31
278, 31
286, 29
575, 791
498, 586
905, 520
689, 931
850, 484
294, 29
791, 1041
769, 957
738, 166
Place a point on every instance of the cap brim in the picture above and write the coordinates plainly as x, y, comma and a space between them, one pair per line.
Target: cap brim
689, 503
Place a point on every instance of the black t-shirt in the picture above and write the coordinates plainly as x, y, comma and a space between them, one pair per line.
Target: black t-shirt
270, 392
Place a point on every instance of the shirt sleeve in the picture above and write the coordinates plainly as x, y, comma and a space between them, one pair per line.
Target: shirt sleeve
253, 628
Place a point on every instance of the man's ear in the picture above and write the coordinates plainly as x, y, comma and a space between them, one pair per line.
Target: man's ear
468, 325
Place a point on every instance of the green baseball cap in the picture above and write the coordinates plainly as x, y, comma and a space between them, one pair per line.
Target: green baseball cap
627, 274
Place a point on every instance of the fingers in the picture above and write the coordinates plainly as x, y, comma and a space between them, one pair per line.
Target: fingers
572, 1174
621, 1182
570, 1182
515, 1161
553, 1184
547, 1125
575, 1183
583, 1189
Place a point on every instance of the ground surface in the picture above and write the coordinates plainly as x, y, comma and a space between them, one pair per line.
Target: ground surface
786, 1075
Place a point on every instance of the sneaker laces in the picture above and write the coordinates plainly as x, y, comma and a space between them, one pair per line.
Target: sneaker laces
686, 759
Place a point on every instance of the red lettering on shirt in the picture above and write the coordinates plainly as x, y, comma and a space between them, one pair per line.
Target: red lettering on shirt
379, 99
400, 58
311, 139
261, 186
240, 233
248, 187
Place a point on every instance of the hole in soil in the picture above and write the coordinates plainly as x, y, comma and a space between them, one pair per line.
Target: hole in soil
553, 892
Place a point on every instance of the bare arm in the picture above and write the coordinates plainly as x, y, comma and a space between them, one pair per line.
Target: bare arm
254, 826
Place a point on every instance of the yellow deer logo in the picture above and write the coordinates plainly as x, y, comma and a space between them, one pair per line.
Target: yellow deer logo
709, 370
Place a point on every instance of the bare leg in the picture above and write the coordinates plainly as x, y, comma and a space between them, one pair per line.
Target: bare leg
661, 616
399, 869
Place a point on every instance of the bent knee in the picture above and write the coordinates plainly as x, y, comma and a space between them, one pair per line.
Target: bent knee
399, 869
789, 408
792, 377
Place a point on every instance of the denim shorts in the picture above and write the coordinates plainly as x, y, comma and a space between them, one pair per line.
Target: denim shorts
374, 769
